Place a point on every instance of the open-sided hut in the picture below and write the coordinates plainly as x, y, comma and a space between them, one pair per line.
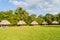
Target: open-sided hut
44, 23
21, 23
55, 22
34, 23
4, 23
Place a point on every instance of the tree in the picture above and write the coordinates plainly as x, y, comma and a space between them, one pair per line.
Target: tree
40, 19
22, 14
49, 18
57, 17
33, 17
1, 16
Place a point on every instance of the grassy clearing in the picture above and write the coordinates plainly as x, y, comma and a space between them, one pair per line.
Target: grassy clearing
30, 33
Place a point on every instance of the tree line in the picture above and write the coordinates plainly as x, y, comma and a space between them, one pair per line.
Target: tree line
20, 14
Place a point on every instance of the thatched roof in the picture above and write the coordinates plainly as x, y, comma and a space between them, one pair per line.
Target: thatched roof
4, 22
55, 22
34, 22
44, 22
21, 22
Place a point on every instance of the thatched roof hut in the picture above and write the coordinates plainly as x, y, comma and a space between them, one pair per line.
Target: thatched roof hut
34, 23
55, 22
44, 23
21, 22
4, 22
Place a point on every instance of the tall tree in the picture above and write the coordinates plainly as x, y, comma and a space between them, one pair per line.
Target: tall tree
49, 18
22, 14
40, 19
33, 17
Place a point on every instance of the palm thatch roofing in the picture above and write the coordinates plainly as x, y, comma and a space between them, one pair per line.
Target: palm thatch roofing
4, 22
34, 23
44, 22
55, 22
21, 22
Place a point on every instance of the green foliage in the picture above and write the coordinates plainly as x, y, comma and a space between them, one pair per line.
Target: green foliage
49, 18
33, 17
40, 19
21, 14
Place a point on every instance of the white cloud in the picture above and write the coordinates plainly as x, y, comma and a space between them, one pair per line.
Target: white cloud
46, 3
56, 1
38, 5
20, 3
47, 9
54, 13
25, 3
30, 11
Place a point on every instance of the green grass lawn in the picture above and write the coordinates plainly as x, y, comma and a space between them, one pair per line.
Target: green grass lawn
30, 33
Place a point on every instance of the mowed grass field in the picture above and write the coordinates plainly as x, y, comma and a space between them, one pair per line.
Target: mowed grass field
30, 33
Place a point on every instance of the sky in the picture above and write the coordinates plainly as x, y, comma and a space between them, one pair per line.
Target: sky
32, 6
